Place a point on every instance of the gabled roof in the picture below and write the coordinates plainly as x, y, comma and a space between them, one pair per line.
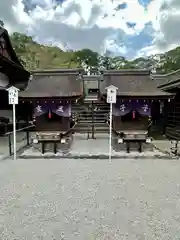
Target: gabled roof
168, 81
54, 83
11, 66
132, 83
159, 79
92, 77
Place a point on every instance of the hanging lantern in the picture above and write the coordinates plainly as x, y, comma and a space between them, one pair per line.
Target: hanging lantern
133, 114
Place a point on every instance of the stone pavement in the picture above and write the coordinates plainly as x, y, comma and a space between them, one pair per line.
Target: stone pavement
98, 148
89, 200
163, 145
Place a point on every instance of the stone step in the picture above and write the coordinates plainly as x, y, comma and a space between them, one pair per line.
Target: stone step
96, 124
90, 117
98, 130
99, 121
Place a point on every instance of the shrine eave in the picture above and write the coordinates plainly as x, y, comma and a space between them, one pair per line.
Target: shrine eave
170, 85
14, 72
146, 97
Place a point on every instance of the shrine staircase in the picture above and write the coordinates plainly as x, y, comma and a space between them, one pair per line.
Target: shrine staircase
91, 116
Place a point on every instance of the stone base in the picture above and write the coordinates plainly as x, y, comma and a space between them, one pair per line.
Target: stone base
98, 148
49, 147
133, 146
34, 153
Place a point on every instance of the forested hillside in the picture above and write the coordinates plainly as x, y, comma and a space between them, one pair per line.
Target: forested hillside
36, 56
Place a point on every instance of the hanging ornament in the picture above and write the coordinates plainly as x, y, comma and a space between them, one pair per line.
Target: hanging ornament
49, 114
133, 114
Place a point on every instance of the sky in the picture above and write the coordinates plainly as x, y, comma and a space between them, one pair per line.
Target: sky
129, 28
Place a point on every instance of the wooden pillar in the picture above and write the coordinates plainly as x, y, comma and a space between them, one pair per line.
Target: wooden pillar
165, 116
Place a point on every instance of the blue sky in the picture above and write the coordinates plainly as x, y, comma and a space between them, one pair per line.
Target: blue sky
130, 28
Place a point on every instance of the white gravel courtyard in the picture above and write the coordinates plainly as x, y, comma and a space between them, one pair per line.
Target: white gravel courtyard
89, 199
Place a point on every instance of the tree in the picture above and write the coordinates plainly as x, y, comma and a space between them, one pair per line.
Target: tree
86, 56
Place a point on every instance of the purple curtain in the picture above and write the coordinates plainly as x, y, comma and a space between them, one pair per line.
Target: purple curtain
40, 109
61, 110
121, 109
143, 109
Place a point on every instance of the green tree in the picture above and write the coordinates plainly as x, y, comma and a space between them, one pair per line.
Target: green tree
86, 56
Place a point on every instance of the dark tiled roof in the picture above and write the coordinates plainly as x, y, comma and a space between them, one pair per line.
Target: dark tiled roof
132, 83
169, 81
54, 83
159, 79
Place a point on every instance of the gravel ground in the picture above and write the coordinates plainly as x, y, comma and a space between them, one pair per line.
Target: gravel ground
89, 199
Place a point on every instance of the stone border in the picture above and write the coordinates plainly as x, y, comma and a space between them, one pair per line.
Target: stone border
100, 157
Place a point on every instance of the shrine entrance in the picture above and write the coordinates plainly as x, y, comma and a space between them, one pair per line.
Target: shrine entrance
131, 115
134, 121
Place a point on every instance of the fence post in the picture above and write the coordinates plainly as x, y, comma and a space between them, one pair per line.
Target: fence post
9, 140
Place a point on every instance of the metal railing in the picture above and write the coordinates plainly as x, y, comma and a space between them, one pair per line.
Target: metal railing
23, 139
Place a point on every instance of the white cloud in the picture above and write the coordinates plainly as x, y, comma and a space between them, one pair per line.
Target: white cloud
95, 24
166, 21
